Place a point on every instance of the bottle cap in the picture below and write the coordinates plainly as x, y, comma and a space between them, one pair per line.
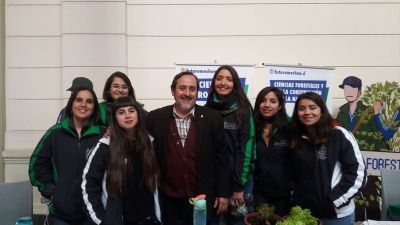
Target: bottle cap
197, 198
200, 202
202, 196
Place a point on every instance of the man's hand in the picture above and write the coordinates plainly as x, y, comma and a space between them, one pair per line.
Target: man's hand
222, 204
377, 107
238, 198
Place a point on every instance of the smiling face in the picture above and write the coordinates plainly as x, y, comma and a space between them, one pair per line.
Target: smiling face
309, 112
185, 94
127, 117
351, 94
270, 105
223, 83
82, 106
118, 88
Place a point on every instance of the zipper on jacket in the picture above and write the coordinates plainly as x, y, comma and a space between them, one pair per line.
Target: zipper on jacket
315, 159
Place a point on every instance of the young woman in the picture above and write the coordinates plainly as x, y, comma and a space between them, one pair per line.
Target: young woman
119, 182
117, 85
57, 162
226, 95
328, 168
272, 169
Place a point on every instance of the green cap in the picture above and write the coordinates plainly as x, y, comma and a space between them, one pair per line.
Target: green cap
80, 82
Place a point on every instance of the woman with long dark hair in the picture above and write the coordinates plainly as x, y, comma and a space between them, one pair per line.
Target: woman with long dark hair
328, 168
227, 96
272, 169
57, 162
117, 85
120, 178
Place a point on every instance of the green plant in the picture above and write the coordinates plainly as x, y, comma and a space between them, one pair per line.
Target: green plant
266, 211
371, 198
389, 94
299, 216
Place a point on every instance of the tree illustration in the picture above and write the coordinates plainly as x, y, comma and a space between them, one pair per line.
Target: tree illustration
388, 94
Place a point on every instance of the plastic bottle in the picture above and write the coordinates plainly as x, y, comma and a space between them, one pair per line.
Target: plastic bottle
27, 220
199, 210
249, 201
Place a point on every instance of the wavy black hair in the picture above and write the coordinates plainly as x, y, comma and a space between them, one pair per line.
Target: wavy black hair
122, 144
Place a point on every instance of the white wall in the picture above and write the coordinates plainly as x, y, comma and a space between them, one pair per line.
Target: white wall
49, 42
2, 92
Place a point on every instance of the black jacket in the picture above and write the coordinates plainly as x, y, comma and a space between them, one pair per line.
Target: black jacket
56, 167
327, 177
240, 141
101, 209
212, 166
272, 166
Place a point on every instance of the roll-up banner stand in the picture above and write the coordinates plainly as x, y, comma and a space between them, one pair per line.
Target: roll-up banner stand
205, 73
294, 80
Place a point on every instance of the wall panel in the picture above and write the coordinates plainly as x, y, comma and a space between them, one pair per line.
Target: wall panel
264, 19
94, 50
33, 51
34, 83
152, 83
35, 2
34, 20
244, 2
24, 140
94, 17
31, 115
322, 50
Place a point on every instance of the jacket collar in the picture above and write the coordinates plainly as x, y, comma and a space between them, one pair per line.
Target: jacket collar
91, 129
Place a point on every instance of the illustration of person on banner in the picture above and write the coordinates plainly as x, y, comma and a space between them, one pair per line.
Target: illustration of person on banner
357, 117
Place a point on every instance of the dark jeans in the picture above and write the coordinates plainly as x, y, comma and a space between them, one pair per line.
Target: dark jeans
53, 220
177, 211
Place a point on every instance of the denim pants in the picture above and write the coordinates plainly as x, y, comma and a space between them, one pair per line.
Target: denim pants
347, 220
52, 220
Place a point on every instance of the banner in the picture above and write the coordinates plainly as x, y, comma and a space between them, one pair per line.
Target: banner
295, 80
377, 161
205, 74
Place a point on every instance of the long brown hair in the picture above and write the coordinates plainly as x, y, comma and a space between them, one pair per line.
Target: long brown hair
244, 104
319, 132
121, 144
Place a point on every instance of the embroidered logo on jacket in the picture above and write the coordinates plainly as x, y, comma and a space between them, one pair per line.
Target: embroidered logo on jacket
281, 143
229, 126
321, 152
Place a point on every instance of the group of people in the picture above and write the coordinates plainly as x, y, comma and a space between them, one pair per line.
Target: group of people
114, 163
